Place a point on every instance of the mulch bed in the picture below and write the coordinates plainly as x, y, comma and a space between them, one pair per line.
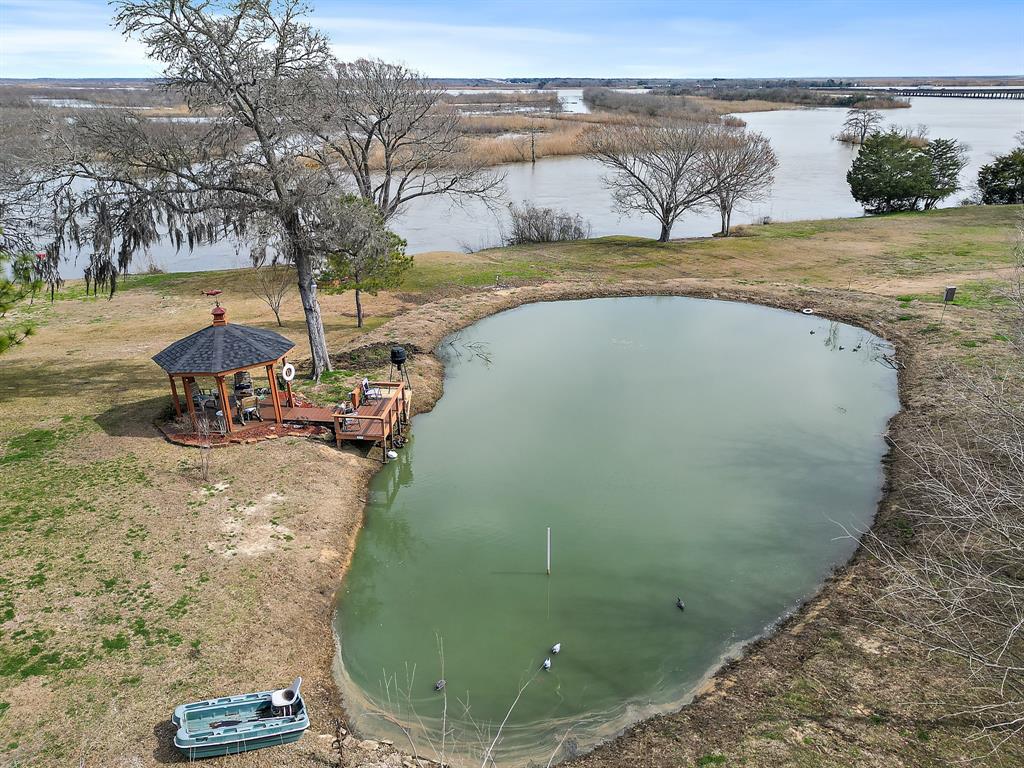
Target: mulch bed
252, 434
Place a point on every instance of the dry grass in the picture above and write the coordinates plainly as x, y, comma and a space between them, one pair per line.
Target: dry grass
536, 99
723, 107
485, 125
179, 110
557, 134
495, 151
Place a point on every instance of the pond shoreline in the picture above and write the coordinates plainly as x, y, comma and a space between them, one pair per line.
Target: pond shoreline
425, 327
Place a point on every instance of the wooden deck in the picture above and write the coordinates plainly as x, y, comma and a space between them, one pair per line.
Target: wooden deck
378, 421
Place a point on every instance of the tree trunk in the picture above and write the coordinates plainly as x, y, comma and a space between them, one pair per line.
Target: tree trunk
314, 321
359, 310
724, 232
666, 231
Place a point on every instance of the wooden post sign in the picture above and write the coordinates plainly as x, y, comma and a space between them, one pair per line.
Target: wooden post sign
947, 298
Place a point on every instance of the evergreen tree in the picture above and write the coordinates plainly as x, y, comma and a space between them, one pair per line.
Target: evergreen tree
889, 173
17, 283
948, 158
363, 255
1002, 181
893, 173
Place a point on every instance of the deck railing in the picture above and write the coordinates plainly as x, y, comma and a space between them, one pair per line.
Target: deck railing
390, 412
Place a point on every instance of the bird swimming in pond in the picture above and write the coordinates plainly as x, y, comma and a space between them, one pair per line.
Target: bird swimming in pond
680, 604
556, 648
812, 333
546, 665
439, 685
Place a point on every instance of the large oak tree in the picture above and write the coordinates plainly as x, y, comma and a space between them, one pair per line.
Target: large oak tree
247, 63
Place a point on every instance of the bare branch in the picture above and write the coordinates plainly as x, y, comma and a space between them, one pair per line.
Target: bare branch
656, 169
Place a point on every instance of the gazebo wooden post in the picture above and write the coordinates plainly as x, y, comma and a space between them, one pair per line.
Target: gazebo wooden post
174, 397
278, 416
225, 405
189, 402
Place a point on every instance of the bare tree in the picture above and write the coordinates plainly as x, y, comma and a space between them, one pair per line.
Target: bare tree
395, 135
954, 574
251, 63
270, 283
533, 130
657, 169
860, 121
741, 165
202, 431
1017, 284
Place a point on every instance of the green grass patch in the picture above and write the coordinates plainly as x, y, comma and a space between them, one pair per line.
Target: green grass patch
35, 444
793, 229
978, 294
36, 660
118, 642
424, 277
712, 759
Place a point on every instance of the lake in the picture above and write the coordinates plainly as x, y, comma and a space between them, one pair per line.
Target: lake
709, 450
810, 183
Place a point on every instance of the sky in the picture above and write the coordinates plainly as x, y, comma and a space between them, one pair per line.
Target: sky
595, 38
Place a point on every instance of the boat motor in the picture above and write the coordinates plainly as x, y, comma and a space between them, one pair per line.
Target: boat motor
285, 698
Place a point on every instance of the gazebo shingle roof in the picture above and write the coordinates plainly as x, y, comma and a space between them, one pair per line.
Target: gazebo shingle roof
222, 347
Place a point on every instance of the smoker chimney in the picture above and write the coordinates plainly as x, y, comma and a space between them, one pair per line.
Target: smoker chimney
220, 315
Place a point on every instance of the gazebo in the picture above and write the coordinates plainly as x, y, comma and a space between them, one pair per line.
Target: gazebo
217, 351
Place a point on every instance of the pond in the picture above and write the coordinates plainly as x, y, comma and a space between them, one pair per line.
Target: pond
676, 447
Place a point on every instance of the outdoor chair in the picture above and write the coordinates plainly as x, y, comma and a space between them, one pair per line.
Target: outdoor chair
346, 408
201, 396
368, 392
249, 408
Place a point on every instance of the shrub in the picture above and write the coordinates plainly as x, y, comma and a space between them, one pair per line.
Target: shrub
532, 224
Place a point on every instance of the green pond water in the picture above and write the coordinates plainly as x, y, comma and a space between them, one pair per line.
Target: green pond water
710, 450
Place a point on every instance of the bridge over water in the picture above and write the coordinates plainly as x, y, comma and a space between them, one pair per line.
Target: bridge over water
959, 93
